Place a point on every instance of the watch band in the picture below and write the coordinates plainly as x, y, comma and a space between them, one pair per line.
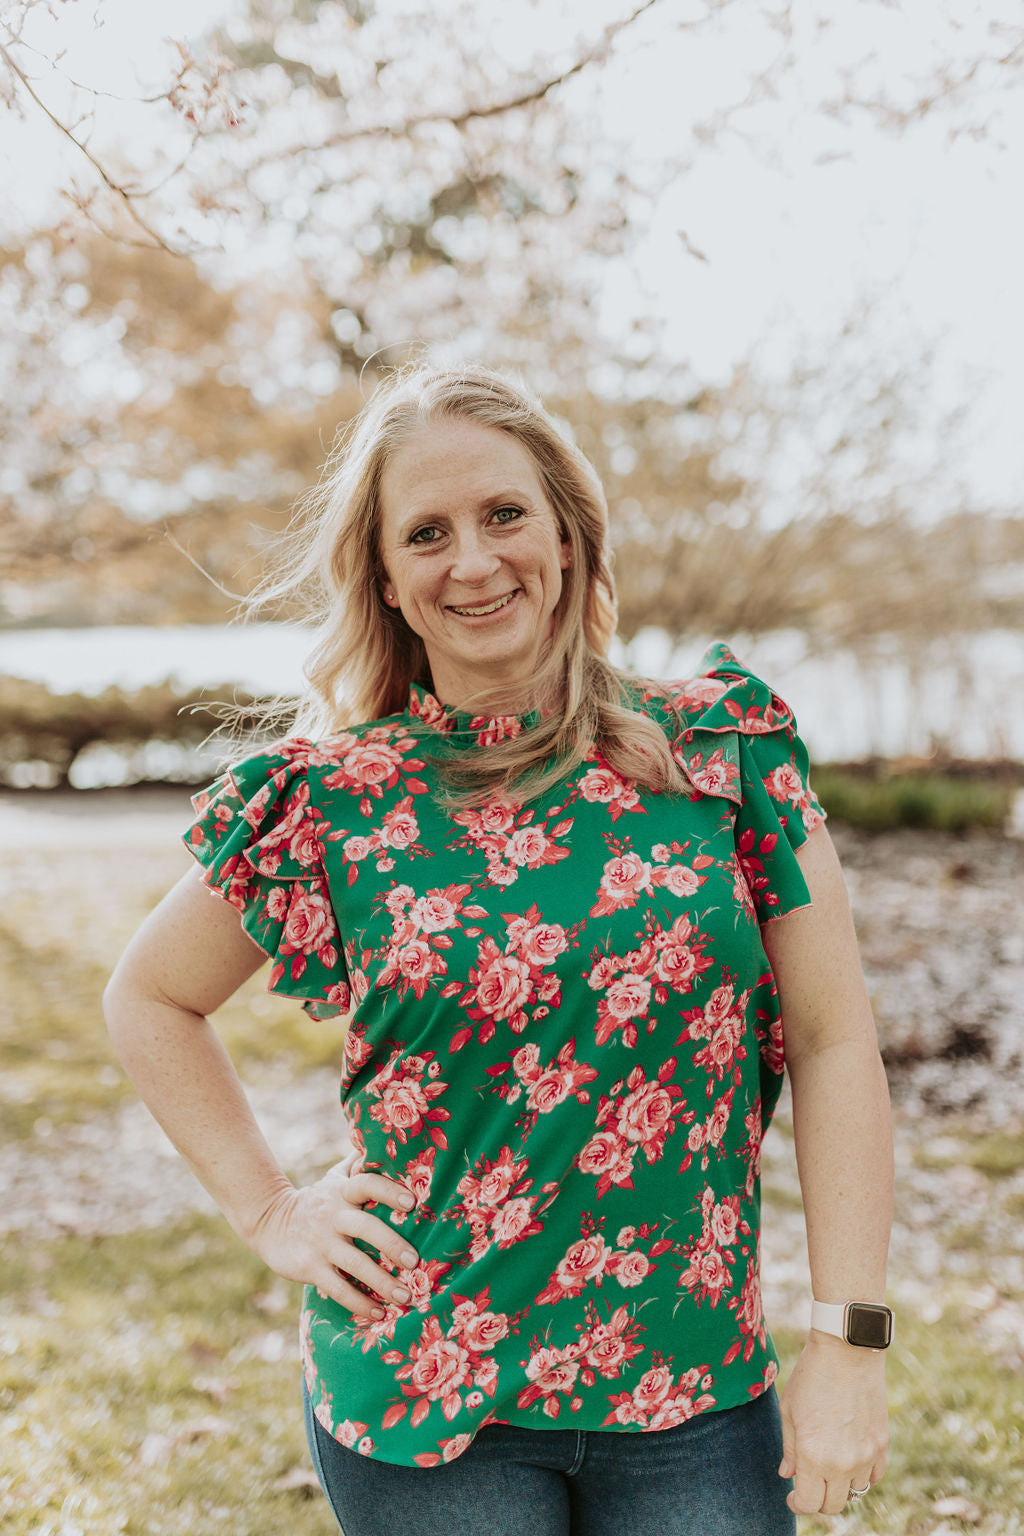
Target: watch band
829, 1317
868, 1324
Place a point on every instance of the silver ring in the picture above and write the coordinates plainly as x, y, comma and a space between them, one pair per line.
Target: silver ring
858, 1493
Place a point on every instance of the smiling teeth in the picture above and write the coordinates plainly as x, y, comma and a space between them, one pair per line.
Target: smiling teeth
478, 613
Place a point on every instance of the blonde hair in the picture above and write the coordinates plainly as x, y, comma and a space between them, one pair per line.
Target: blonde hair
366, 656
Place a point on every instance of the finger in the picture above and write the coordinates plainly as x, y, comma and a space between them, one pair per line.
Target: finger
394, 1248
787, 1466
351, 1260
377, 1187
807, 1494
331, 1284
838, 1494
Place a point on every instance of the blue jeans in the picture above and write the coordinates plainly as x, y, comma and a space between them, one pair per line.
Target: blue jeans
716, 1475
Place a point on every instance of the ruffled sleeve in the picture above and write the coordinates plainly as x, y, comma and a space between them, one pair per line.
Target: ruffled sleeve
257, 834
736, 738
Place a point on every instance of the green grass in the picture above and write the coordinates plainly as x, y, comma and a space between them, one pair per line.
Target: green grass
942, 802
56, 1060
109, 1345
999, 1154
955, 1429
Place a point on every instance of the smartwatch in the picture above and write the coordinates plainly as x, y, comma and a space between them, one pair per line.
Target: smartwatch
868, 1324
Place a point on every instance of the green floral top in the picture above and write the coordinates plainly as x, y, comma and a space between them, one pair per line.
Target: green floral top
564, 1038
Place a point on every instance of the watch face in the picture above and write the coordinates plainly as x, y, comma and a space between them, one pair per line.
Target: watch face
868, 1325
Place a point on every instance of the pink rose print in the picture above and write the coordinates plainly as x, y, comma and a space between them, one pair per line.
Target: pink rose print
639, 1119
603, 786
507, 986
438, 1367
527, 847
309, 929
624, 878
310, 922
503, 985
661, 1401
603, 1348
722, 1023
666, 958
420, 929
749, 1313
707, 1274
698, 693
784, 783
497, 1205
715, 775
430, 712
494, 728
590, 1259
633, 1269
509, 839
751, 1148
376, 762
405, 1101
399, 830
546, 1088
708, 1136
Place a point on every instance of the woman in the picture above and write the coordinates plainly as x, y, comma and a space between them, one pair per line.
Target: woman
579, 923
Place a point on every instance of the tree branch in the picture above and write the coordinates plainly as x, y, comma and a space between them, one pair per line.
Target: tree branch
119, 191
470, 114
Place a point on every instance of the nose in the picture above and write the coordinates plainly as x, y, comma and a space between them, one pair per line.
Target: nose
472, 562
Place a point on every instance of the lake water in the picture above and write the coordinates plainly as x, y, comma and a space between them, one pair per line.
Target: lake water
965, 694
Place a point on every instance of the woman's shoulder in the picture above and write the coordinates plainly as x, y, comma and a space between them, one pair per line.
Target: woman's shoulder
721, 695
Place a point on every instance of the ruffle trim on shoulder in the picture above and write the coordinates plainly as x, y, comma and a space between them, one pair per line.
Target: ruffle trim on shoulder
723, 702
735, 738
257, 834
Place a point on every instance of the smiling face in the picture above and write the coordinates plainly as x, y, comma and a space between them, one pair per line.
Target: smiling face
472, 555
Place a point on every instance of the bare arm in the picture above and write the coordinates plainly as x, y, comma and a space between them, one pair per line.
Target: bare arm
190, 955
834, 1414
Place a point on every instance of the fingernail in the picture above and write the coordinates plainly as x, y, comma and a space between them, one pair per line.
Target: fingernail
407, 1200
377, 1312
400, 1293
409, 1258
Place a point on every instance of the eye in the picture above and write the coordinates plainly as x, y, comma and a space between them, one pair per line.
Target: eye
429, 534
513, 514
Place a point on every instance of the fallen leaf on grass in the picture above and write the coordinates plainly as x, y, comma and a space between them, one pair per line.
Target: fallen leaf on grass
297, 1479
276, 1298
158, 1449
271, 1347
220, 1388
959, 1508
155, 1450
204, 1353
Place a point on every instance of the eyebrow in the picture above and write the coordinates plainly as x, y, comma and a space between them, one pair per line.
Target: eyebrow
416, 517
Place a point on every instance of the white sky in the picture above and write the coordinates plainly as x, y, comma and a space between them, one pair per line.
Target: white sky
793, 232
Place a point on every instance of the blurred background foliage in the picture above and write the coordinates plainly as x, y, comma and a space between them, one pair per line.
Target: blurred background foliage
242, 238
316, 190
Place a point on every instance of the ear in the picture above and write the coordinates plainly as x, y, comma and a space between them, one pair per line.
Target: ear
565, 554
387, 591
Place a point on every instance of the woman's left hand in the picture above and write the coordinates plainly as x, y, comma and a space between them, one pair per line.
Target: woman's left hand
835, 1424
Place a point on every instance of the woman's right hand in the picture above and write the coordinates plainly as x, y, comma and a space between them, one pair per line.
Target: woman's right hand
305, 1235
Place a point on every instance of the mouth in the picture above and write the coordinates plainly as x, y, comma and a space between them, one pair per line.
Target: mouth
481, 610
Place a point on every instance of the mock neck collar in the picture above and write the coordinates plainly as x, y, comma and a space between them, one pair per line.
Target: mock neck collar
426, 710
